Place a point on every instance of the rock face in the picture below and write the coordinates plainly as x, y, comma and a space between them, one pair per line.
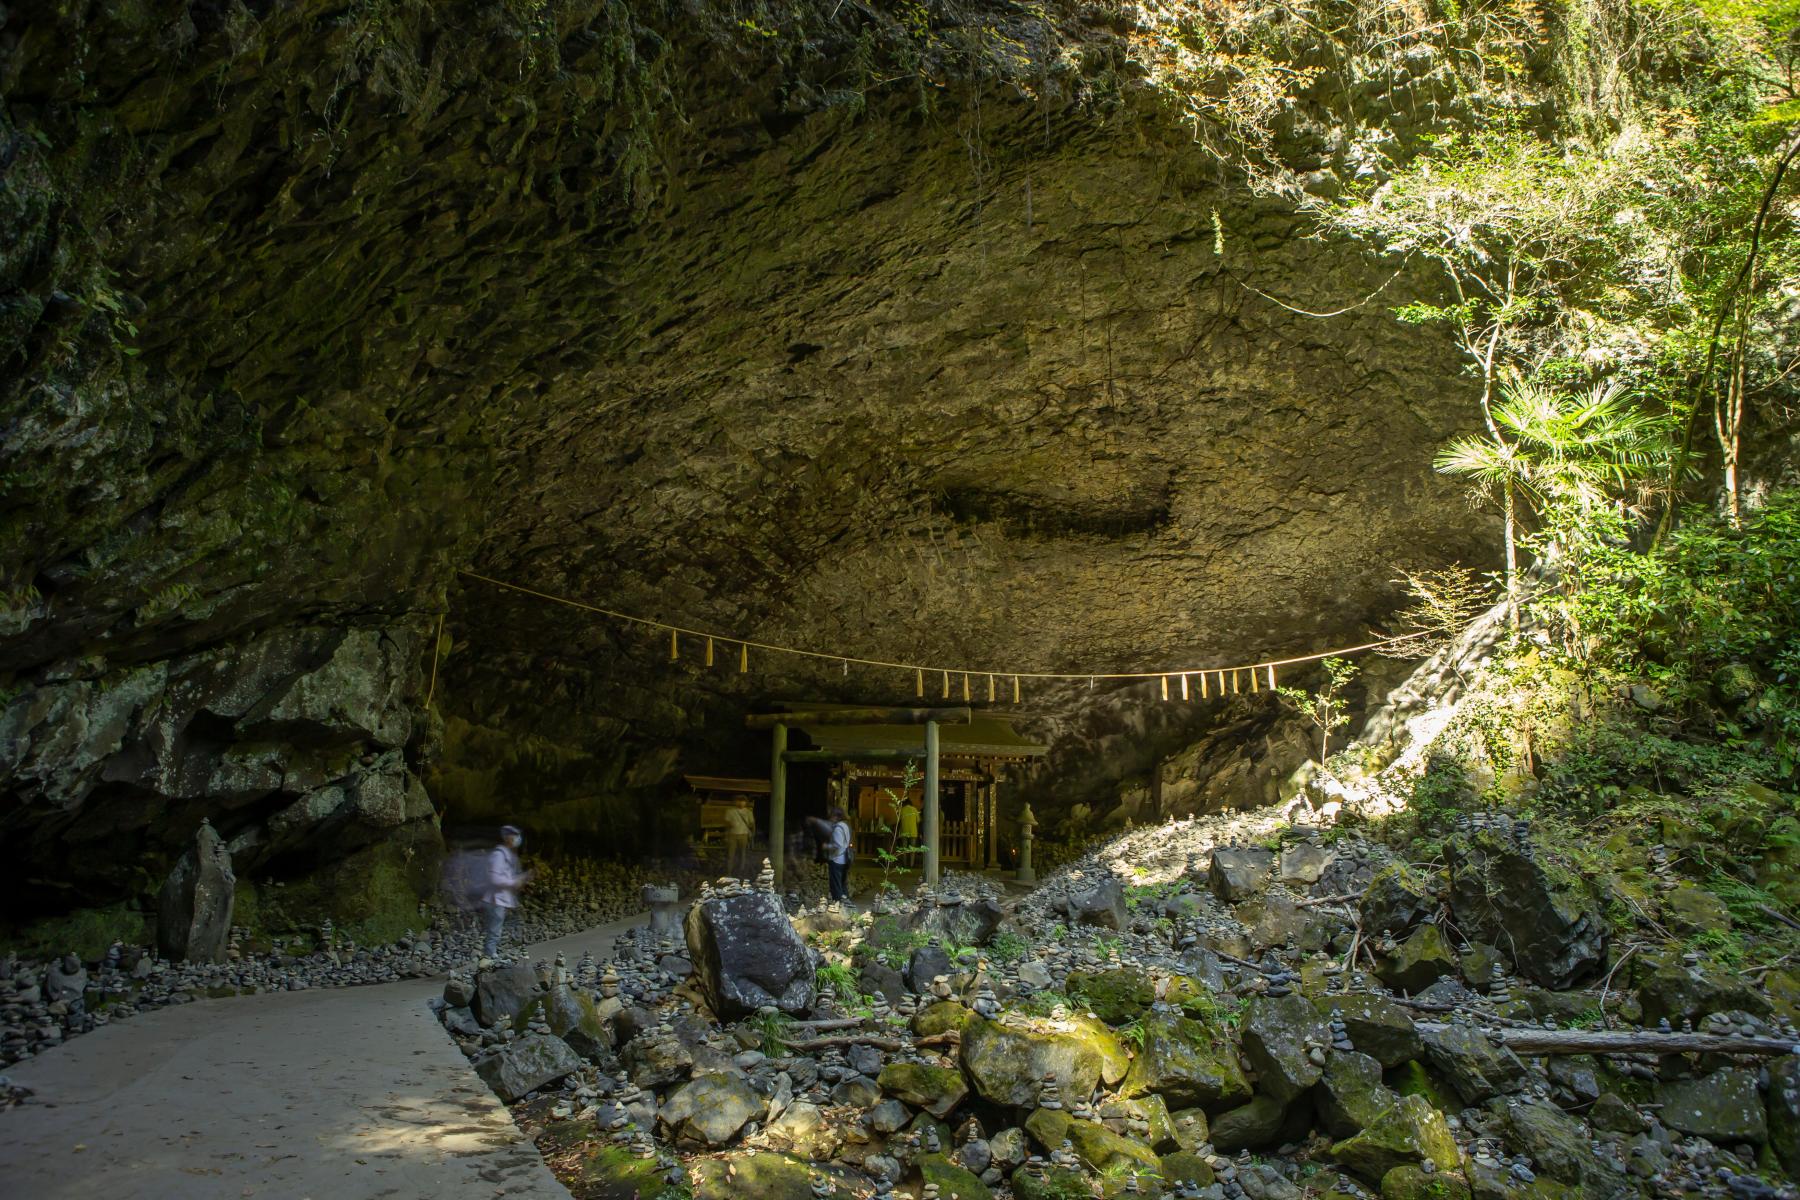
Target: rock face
1505, 890
748, 955
1281, 1036
1188, 1064
193, 914
331, 407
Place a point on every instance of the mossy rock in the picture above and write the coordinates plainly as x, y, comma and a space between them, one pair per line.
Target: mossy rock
597, 1169
87, 933
1007, 1061
1248, 1126
1415, 1079
1350, 1093
1189, 1064
1055, 1185
1115, 996
937, 1090
1420, 961
945, 1016
1184, 1166
951, 1179
1412, 1183
766, 1175
1410, 1132
1098, 1146
1377, 1026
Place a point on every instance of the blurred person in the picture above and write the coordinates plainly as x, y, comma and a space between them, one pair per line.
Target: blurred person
838, 855
505, 876
740, 827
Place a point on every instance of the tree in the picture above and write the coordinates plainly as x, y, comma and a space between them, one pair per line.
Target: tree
1325, 708
1548, 449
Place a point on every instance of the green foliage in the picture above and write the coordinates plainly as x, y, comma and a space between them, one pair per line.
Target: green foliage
892, 944
1008, 947
1327, 708
839, 980
774, 1030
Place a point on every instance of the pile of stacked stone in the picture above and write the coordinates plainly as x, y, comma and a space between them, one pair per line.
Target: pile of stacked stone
1290, 1017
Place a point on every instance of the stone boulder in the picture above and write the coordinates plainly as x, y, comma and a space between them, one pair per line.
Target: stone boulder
1725, 1107
1304, 864
1098, 1146
193, 910
951, 1179
1508, 891
1377, 1027
747, 955
526, 1065
937, 1090
572, 1017
1237, 875
1396, 899
1279, 1034
925, 964
1476, 1068
504, 992
654, 1062
1189, 1064
942, 1017
1351, 1094
966, 922
1559, 1146
1784, 1114
1100, 902
765, 1175
1420, 961
1007, 1062
711, 1109
1115, 996
1248, 1126
1409, 1133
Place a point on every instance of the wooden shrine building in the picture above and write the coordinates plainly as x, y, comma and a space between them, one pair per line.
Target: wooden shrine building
959, 754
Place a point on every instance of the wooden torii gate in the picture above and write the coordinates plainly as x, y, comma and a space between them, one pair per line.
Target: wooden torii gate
781, 756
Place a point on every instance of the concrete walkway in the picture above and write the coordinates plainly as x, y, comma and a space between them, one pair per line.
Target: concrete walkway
324, 1094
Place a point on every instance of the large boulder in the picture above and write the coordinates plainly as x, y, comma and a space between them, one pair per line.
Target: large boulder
1669, 989
1784, 1114
747, 955
1377, 1026
1098, 1146
504, 992
937, 1090
1396, 899
527, 1065
1115, 996
654, 1062
1279, 1035
572, 1017
1724, 1107
1410, 1132
1471, 1064
1189, 1064
1420, 961
968, 922
1007, 1061
1239, 874
1507, 890
764, 1175
1247, 1126
193, 911
1099, 902
1351, 1094
925, 964
1559, 1146
951, 1179
711, 1109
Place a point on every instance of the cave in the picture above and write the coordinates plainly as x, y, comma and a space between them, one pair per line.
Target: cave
427, 423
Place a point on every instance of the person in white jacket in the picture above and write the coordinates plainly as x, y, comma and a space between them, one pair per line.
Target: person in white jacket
505, 877
837, 855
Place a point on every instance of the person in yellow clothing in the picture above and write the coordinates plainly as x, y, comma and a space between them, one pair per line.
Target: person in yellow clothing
740, 826
906, 826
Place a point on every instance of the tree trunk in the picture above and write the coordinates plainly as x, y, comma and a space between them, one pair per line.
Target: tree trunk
1512, 559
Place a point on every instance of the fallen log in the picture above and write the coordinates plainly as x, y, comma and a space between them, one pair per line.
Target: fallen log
1530, 1041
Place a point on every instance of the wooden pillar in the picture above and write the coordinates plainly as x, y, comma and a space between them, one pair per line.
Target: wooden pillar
931, 802
778, 807
993, 791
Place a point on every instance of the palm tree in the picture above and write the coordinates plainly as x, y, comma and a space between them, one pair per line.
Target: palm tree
1548, 450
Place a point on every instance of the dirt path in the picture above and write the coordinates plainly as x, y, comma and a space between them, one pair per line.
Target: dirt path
326, 1094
